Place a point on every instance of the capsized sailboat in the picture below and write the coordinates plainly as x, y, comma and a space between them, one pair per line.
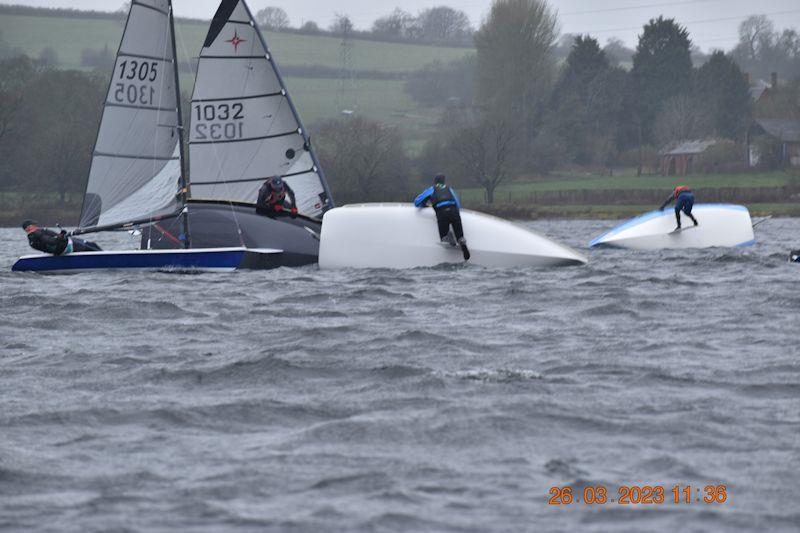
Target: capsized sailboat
723, 225
403, 236
245, 129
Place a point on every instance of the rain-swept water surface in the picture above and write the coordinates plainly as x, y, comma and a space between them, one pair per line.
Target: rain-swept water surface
447, 399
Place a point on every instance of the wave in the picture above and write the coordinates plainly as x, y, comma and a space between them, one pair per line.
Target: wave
493, 375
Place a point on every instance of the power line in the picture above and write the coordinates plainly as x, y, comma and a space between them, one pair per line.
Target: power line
704, 21
633, 8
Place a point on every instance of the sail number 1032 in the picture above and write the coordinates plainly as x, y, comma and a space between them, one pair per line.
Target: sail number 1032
217, 122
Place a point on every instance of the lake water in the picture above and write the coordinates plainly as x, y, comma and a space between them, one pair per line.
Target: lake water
447, 399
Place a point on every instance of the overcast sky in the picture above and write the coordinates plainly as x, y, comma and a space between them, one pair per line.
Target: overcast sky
712, 23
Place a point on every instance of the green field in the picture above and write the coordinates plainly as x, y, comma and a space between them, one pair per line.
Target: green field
521, 187
68, 36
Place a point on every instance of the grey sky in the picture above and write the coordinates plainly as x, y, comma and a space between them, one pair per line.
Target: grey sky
712, 23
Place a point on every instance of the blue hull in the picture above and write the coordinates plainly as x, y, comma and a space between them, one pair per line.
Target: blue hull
220, 260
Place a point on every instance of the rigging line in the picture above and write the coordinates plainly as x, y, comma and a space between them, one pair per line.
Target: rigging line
213, 146
167, 41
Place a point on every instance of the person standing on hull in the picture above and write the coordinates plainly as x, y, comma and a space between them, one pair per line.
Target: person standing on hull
275, 197
50, 242
447, 206
684, 201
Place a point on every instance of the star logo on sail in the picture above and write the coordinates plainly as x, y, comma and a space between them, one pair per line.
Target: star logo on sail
236, 41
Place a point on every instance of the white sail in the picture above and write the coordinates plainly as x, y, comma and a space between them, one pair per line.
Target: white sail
244, 127
136, 167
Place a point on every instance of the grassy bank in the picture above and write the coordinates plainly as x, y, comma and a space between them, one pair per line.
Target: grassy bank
523, 188
50, 213
566, 196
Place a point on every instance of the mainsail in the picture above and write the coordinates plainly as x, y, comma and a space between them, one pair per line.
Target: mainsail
244, 126
136, 164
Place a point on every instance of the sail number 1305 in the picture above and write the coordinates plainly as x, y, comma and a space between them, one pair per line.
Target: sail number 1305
135, 83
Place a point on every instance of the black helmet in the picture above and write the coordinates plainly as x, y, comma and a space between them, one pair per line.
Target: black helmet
28, 223
276, 182
439, 179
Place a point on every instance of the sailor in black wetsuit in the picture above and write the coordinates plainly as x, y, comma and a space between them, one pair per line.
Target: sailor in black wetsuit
272, 198
50, 242
684, 201
447, 207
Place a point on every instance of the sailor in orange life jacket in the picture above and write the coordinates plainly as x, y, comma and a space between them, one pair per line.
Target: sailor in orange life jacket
684, 201
272, 199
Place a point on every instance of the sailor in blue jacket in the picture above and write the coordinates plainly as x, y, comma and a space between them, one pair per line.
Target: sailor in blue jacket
447, 207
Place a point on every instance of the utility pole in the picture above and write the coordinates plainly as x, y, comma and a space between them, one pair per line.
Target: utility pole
346, 96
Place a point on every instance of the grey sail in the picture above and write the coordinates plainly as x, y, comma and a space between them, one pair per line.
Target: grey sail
244, 126
136, 164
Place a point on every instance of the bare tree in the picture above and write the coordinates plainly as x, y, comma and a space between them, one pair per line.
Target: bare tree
341, 24
310, 27
755, 33
272, 18
398, 23
681, 119
617, 52
443, 23
483, 146
364, 160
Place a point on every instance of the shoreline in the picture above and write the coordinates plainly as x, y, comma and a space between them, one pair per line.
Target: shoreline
613, 212
68, 216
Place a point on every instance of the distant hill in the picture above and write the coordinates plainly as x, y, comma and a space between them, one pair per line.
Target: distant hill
311, 63
70, 31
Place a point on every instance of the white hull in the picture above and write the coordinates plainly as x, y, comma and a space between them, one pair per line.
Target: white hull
721, 225
402, 236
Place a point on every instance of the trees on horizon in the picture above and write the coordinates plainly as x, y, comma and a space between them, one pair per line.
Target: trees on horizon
512, 108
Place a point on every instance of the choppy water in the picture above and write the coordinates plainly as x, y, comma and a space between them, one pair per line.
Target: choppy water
428, 400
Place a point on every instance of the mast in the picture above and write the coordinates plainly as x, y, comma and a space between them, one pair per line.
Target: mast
303, 131
137, 160
184, 181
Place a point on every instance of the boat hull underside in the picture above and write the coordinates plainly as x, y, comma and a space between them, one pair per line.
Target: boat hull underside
721, 225
194, 260
221, 224
402, 236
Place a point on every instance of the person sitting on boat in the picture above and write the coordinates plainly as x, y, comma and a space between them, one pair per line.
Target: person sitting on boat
50, 242
684, 201
272, 198
447, 206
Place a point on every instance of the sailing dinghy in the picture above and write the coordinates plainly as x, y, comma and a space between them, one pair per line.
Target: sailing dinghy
721, 225
403, 236
137, 177
244, 129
